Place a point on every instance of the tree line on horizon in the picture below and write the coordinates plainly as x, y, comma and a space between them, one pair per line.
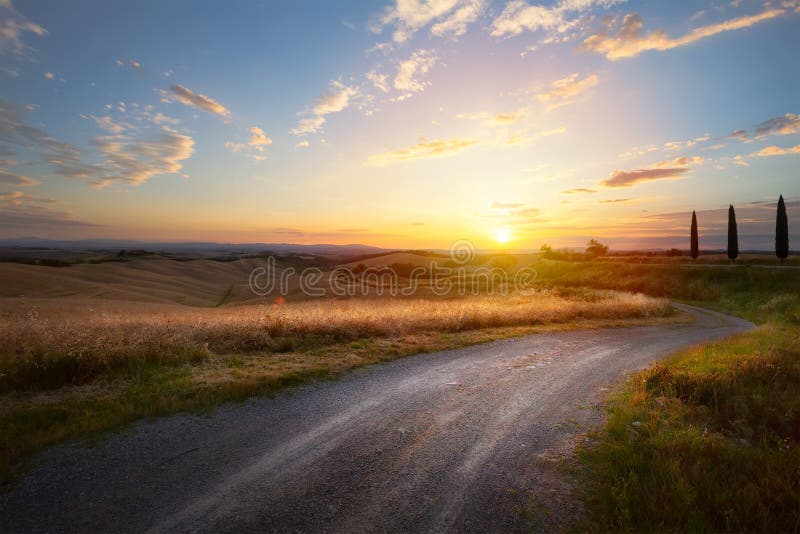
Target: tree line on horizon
781, 234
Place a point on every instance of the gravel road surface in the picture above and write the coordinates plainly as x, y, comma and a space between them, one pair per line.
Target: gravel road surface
461, 440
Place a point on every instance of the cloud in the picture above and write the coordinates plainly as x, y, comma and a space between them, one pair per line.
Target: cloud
126, 155
578, 190
615, 201
450, 17
519, 16
336, 99
12, 178
739, 160
12, 28
514, 214
15, 132
422, 150
522, 139
682, 161
308, 125
303, 144
254, 147
629, 178
135, 161
785, 125
189, 98
22, 211
106, 123
25, 218
496, 119
258, 138
380, 81
159, 119
777, 151
631, 40
132, 63
409, 70
456, 24
561, 92
18, 198
664, 170
679, 145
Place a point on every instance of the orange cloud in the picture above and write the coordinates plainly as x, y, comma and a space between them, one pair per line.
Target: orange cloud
422, 150
188, 97
631, 40
777, 151
562, 91
669, 169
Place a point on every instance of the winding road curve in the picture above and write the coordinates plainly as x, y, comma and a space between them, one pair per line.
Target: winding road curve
460, 440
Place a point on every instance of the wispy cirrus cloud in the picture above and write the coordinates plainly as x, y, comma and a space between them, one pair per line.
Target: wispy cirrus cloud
379, 80
514, 214
563, 92
578, 190
18, 198
254, 147
22, 211
13, 26
784, 125
664, 170
187, 97
631, 40
410, 72
435, 148
25, 218
519, 16
125, 154
133, 161
13, 178
338, 98
616, 201
446, 17
464, 14
496, 119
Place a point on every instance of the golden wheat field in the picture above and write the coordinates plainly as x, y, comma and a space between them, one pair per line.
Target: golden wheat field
83, 339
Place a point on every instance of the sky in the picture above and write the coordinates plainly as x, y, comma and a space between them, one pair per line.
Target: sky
401, 124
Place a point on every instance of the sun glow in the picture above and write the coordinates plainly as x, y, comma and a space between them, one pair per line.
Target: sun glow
502, 235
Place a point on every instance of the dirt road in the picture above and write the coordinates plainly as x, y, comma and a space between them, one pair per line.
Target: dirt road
462, 440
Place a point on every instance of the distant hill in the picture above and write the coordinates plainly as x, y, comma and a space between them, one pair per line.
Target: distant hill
200, 247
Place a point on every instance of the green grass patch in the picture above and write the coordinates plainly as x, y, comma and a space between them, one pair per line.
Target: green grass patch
708, 440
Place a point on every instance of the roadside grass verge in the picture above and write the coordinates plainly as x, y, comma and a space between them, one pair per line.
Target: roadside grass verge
75, 373
707, 440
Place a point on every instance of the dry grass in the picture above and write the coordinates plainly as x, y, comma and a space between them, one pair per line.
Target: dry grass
45, 348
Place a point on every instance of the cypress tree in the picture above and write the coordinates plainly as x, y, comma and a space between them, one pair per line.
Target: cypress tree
733, 235
695, 246
782, 232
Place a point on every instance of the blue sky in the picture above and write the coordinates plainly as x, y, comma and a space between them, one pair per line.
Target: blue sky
408, 123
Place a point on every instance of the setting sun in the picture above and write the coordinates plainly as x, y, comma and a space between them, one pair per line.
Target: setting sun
502, 235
